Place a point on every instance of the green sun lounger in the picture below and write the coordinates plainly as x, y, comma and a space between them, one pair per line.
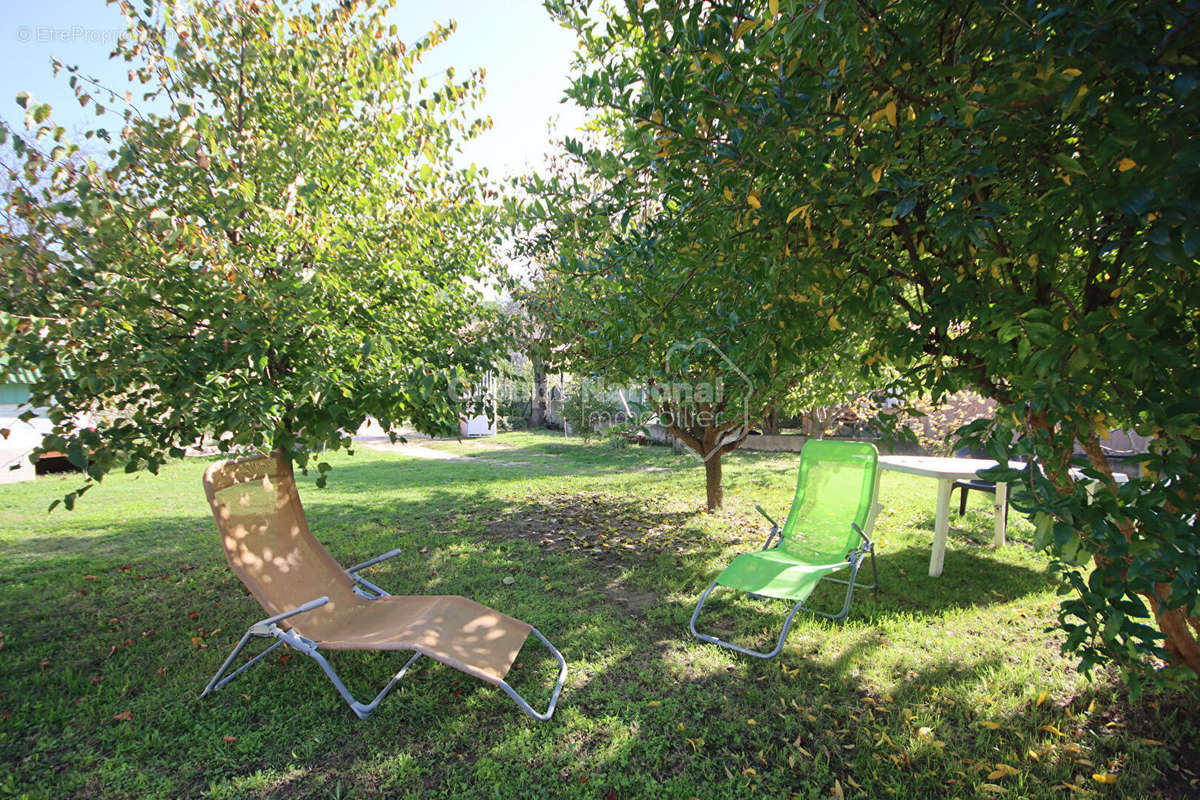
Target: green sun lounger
827, 530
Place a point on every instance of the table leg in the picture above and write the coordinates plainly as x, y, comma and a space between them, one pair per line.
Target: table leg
941, 527
1001, 516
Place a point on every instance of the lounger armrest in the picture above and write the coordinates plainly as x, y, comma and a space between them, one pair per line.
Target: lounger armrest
373, 561
775, 531
767, 516
309, 606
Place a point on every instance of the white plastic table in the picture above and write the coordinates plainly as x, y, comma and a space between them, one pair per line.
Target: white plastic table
947, 471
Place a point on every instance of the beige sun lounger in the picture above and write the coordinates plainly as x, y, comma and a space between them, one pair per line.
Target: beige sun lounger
318, 606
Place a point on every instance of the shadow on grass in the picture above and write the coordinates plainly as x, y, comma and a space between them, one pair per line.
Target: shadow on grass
648, 709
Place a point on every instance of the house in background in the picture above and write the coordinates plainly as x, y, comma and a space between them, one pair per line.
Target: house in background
22, 437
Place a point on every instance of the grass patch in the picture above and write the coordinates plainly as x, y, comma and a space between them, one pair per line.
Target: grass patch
945, 687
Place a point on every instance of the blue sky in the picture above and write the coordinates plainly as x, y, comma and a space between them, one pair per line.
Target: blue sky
527, 58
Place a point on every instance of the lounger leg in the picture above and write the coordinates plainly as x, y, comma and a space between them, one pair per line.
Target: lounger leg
787, 624
562, 678
361, 710
217, 682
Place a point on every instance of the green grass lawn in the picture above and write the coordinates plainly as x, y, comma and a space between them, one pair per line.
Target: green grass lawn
116, 614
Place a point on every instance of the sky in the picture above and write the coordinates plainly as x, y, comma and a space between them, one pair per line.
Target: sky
526, 55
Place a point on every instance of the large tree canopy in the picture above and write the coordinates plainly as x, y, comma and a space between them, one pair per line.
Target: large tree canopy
277, 245
658, 281
1021, 180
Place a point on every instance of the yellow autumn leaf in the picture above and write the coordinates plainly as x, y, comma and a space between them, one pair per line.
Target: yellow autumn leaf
1052, 729
1074, 73
635, 341
876, 174
834, 325
837, 792
773, 7
752, 199
749, 772
993, 788
889, 111
991, 726
657, 117
1126, 164
797, 210
652, 703
752, 722
1104, 777
1042, 697
744, 28
1001, 771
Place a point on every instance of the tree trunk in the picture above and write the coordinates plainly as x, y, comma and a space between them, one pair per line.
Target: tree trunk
537, 415
713, 489
770, 423
1180, 630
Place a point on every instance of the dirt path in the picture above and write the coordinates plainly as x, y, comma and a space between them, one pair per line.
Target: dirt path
411, 448
416, 450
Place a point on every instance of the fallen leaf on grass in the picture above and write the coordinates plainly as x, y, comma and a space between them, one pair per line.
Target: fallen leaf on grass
654, 703
509, 580
89, 577
1001, 771
993, 788
837, 792
751, 722
229, 739
1104, 777
124, 716
1052, 729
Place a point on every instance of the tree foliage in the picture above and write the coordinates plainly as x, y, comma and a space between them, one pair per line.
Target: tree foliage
659, 281
1021, 181
276, 245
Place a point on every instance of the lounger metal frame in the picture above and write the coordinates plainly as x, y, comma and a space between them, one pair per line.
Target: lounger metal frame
854, 560
269, 629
